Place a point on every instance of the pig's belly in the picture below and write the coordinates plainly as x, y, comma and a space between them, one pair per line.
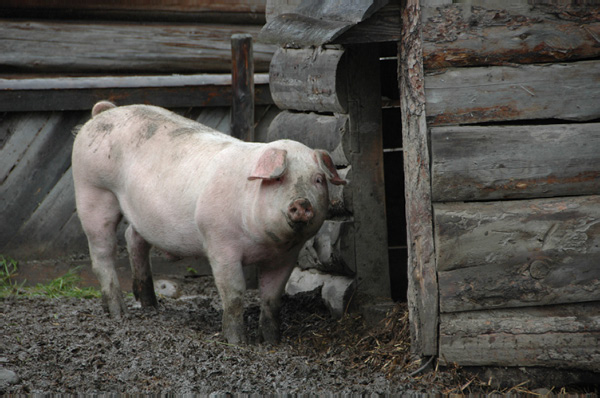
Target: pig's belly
165, 226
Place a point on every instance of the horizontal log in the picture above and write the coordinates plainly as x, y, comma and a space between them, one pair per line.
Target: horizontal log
316, 131
502, 93
310, 79
331, 250
483, 163
557, 336
517, 253
78, 93
462, 35
122, 47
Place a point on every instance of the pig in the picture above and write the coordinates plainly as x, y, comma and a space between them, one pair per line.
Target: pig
189, 190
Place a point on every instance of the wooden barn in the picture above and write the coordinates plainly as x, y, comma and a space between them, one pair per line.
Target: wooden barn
470, 133
499, 137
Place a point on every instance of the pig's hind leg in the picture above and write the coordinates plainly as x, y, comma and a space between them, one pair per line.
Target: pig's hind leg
139, 258
99, 212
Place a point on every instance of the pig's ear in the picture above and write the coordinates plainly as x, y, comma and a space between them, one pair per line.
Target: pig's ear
326, 164
271, 165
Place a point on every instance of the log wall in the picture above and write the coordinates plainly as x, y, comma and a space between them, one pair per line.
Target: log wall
514, 140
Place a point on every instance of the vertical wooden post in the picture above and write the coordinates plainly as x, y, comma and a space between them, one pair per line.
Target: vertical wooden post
367, 182
422, 277
242, 85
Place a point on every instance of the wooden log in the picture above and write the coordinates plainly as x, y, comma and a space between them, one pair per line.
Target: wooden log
312, 79
482, 163
195, 11
77, 93
242, 82
383, 26
122, 47
422, 294
518, 253
332, 250
502, 93
331, 133
464, 35
563, 336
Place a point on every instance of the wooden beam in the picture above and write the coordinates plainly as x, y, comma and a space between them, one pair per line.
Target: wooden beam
329, 132
79, 93
496, 162
518, 253
463, 35
120, 47
502, 93
242, 76
311, 79
563, 336
384, 25
422, 292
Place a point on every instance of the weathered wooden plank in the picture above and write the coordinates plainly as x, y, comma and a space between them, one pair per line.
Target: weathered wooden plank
422, 294
242, 82
77, 93
20, 132
518, 253
311, 79
42, 165
382, 26
34, 238
465, 35
331, 133
317, 22
502, 93
493, 162
121, 47
564, 336
367, 185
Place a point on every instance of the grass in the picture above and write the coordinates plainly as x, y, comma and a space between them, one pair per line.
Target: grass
64, 286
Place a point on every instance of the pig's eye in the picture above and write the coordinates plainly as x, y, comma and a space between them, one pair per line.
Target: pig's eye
319, 179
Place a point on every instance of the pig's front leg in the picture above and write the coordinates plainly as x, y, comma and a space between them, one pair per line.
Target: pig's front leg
230, 281
272, 282
139, 259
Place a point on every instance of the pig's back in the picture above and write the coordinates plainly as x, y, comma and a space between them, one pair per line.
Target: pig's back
157, 163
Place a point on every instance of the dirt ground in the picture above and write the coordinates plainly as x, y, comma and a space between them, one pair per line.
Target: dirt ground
71, 346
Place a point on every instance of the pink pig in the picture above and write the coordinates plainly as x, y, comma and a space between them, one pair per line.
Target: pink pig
190, 190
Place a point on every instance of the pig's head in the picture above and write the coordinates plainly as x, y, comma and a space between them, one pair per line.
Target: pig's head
293, 198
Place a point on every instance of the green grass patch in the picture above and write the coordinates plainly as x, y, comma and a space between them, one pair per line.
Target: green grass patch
64, 286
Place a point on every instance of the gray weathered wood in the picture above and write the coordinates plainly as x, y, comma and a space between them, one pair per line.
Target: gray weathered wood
518, 253
368, 191
563, 336
120, 47
422, 291
316, 131
502, 93
77, 93
332, 250
311, 79
40, 168
382, 26
493, 162
317, 22
463, 35
242, 85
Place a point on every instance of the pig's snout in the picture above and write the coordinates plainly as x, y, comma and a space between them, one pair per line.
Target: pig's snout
300, 211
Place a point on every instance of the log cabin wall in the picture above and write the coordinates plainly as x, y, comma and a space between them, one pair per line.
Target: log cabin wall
57, 59
513, 103
335, 76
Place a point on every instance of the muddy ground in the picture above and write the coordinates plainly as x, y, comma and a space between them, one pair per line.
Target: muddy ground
70, 346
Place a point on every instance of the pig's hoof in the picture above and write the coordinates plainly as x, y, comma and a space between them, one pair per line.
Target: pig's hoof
235, 336
115, 307
270, 333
